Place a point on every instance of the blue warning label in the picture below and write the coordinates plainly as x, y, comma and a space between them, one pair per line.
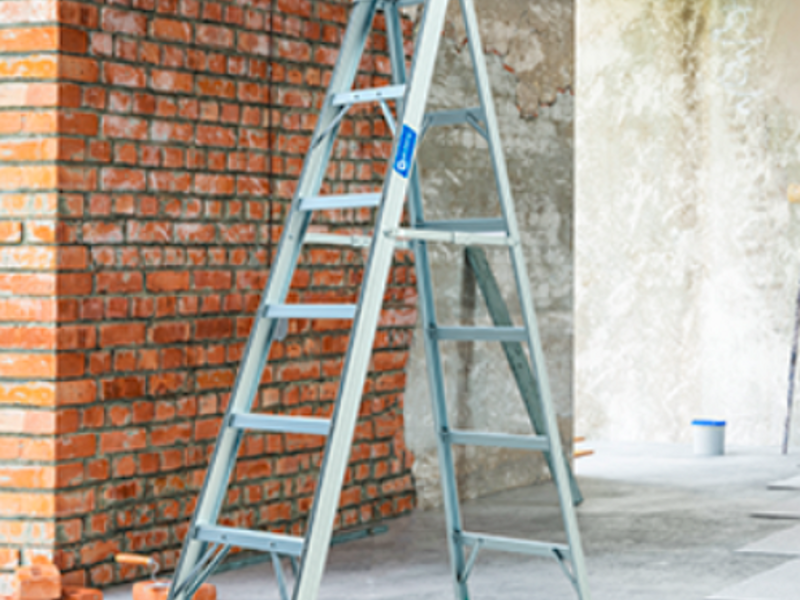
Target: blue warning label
405, 151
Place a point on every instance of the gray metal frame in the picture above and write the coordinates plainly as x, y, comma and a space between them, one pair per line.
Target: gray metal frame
206, 541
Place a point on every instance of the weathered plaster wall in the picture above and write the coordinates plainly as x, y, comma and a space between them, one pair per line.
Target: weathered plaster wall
686, 248
530, 52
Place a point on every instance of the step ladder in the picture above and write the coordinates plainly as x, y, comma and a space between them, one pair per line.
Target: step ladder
207, 543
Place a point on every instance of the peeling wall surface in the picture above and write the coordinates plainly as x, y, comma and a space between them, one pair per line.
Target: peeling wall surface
530, 54
686, 248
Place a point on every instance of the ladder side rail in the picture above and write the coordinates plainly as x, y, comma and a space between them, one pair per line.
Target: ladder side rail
315, 164
263, 332
515, 354
337, 451
526, 297
428, 318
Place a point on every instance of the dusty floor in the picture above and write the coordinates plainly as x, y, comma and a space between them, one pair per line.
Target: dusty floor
658, 524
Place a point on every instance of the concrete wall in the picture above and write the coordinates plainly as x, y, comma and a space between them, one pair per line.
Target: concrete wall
530, 52
688, 131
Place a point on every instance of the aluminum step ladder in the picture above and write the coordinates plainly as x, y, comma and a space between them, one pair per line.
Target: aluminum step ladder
207, 543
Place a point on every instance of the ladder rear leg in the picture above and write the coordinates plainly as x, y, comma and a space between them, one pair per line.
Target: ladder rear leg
526, 301
432, 350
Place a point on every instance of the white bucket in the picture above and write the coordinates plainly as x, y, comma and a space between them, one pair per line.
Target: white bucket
709, 437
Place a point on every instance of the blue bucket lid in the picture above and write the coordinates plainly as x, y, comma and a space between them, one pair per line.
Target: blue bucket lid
707, 423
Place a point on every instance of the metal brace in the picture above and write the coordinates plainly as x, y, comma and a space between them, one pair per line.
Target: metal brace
203, 569
473, 556
562, 562
279, 575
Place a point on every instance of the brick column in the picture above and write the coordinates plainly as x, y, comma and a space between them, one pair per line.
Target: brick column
147, 163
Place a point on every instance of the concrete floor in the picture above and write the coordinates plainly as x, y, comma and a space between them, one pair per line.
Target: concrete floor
658, 524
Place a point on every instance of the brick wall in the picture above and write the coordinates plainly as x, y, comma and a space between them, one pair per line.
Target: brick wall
147, 164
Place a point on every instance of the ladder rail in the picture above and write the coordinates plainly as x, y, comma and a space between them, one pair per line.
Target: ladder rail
525, 296
458, 561
337, 451
264, 329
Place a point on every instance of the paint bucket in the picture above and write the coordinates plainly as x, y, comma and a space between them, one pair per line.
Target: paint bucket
709, 437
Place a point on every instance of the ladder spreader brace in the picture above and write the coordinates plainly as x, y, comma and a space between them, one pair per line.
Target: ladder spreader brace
207, 543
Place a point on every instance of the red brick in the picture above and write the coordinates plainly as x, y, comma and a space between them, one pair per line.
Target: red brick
115, 179
167, 131
211, 35
145, 590
121, 441
195, 233
76, 68
74, 592
172, 81
149, 231
21, 40
254, 43
102, 233
167, 281
9, 558
128, 334
123, 387
169, 333
210, 135
213, 329
124, 21
37, 582
20, 365
172, 30
124, 127
214, 280
214, 86
119, 283
170, 181
21, 309
222, 185
124, 75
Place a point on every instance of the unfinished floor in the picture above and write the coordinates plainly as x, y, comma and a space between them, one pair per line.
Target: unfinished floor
658, 524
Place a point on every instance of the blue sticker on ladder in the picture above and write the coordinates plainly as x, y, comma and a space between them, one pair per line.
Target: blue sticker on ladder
405, 151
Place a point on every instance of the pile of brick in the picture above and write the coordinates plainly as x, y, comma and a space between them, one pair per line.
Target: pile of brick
158, 590
42, 581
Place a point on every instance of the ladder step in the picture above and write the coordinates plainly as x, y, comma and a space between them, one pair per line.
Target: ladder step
340, 202
381, 94
507, 544
466, 225
333, 239
498, 440
348, 241
453, 237
310, 311
279, 424
252, 540
402, 3
480, 334
474, 117
444, 118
